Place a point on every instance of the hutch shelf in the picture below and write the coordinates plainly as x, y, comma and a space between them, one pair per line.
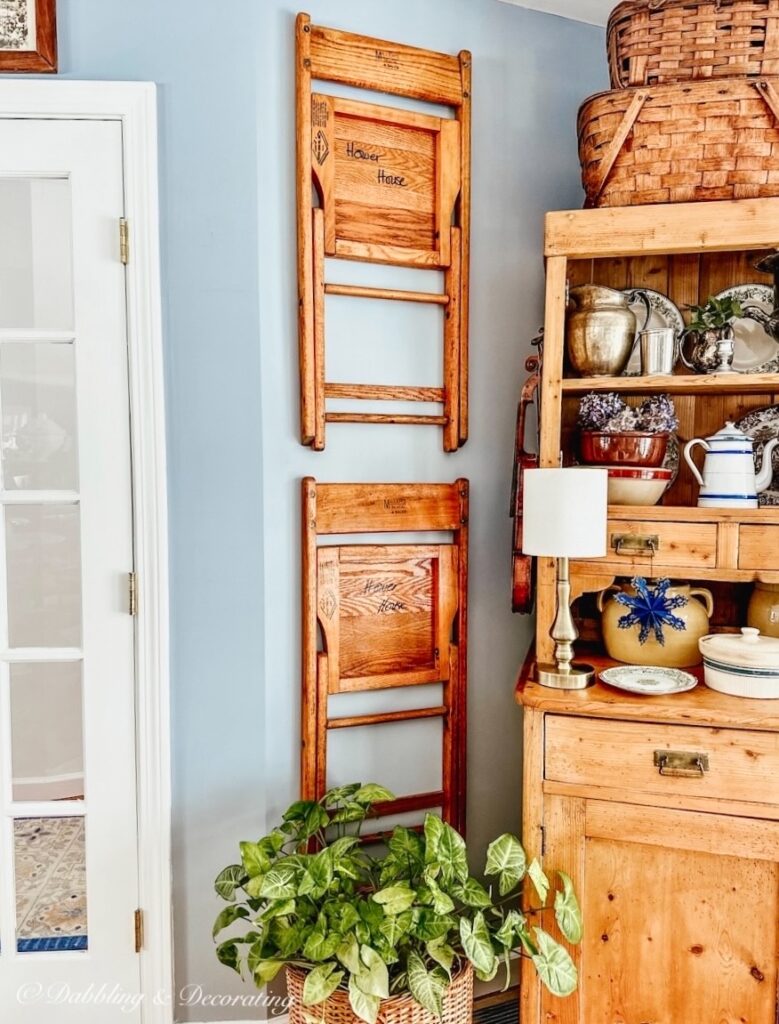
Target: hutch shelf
678, 874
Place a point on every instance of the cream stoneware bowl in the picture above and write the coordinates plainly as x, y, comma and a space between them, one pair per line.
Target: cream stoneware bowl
638, 486
742, 665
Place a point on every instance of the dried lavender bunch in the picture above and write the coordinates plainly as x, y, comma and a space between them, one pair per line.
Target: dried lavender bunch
622, 422
657, 415
596, 410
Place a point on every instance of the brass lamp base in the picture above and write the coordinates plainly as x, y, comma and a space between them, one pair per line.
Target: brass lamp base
577, 677
565, 674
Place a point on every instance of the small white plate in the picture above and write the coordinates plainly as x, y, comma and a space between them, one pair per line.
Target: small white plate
755, 351
649, 680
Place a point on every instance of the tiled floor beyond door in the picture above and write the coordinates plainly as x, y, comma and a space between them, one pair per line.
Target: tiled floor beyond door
51, 904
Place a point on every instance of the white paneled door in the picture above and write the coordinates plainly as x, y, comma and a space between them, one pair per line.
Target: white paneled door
68, 832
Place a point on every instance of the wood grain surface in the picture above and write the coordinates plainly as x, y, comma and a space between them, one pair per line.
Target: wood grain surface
390, 615
392, 186
663, 229
676, 953
743, 765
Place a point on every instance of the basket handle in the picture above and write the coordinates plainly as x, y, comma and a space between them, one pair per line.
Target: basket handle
655, 5
769, 95
615, 146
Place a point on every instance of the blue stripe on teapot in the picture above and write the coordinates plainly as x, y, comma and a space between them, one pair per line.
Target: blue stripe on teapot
729, 477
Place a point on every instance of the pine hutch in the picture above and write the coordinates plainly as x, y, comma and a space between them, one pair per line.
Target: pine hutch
678, 874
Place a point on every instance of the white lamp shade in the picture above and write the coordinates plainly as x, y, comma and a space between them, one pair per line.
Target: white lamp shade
565, 512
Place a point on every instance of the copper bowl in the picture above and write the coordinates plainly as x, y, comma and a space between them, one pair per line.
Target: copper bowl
632, 448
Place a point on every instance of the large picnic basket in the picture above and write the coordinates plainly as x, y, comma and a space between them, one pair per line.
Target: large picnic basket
651, 42
681, 143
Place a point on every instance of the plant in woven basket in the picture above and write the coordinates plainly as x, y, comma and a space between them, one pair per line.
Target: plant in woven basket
408, 921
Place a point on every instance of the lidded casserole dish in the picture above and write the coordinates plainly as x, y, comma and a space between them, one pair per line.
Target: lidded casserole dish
743, 665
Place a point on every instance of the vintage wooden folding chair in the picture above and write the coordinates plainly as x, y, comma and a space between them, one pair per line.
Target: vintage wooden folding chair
394, 188
391, 615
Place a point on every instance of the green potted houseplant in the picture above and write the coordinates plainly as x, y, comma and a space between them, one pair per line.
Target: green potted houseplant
401, 932
711, 331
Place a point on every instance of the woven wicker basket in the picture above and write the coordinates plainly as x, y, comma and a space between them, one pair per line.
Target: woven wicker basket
656, 41
458, 1004
681, 143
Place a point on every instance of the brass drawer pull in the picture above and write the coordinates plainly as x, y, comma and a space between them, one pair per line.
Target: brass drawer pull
682, 763
635, 543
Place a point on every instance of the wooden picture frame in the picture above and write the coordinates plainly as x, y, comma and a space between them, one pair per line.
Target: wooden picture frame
28, 36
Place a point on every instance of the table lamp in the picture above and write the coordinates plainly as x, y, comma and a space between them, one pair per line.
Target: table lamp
565, 516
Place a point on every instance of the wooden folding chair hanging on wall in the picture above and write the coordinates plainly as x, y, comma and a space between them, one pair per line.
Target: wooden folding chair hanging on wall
391, 615
393, 188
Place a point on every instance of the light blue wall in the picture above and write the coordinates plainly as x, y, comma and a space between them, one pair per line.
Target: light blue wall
225, 73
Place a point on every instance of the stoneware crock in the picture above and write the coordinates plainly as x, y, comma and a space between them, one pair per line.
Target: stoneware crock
763, 610
745, 665
681, 646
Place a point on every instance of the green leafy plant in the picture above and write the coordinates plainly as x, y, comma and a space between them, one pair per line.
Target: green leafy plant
310, 895
714, 315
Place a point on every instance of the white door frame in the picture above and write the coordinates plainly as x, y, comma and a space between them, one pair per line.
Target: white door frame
135, 105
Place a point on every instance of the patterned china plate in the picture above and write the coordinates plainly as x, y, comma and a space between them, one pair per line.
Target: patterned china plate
672, 458
761, 425
649, 680
664, 314
756, 351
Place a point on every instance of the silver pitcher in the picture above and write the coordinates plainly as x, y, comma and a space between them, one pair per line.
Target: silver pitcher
712, 351
600, 329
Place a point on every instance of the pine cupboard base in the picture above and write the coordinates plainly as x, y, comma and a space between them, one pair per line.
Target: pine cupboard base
678, 874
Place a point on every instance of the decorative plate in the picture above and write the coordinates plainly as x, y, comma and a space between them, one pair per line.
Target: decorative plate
756, 351
664, 314
673, 458
761, 425
649, 680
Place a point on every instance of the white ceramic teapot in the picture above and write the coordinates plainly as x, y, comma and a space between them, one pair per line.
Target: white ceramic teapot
729, 478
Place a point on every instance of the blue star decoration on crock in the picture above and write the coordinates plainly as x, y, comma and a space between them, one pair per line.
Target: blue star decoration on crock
651, 608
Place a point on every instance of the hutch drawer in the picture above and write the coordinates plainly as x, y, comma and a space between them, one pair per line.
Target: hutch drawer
633, 545
758, 547
739, 765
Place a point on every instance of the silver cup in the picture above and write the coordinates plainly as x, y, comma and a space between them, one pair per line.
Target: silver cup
659, 350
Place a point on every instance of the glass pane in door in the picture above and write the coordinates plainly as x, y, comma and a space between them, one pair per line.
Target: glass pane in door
51, 889
47, 750
43, 560
38, 399
36, 278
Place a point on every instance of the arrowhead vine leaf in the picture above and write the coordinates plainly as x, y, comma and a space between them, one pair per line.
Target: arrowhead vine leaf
506, 859
321, 983
539, 880
365, 1006
427, 987
567, 912
554, 965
